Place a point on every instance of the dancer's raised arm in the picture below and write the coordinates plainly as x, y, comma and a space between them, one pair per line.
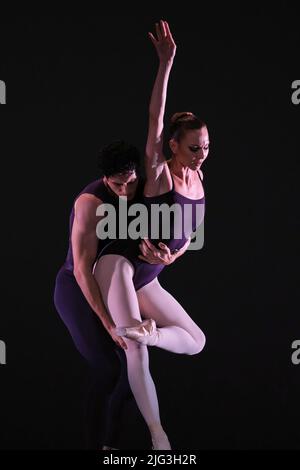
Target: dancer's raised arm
166, 49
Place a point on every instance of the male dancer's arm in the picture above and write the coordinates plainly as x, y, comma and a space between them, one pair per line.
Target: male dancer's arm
84, 246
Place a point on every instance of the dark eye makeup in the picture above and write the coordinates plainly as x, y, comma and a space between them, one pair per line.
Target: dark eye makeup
195, 148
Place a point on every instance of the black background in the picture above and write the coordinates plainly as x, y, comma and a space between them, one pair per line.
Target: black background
75, 83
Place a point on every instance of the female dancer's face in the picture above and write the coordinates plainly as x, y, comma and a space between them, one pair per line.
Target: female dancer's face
123, 184
192, 149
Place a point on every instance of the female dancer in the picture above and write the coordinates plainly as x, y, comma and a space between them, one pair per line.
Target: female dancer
129, 285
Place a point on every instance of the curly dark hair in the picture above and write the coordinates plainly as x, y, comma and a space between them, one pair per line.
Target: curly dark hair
119, 157
182, 122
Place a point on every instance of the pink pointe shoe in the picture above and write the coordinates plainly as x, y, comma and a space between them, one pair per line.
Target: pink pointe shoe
145, 333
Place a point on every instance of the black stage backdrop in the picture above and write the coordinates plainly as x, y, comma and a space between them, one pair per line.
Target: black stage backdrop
76, 83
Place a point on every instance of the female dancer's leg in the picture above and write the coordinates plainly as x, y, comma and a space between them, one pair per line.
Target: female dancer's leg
114, 275
177, 333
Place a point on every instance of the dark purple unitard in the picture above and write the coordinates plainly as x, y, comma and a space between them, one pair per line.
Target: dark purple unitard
144, 272
109, 388
98, 188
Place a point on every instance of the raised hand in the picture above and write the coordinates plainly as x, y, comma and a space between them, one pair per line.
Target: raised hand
163, 42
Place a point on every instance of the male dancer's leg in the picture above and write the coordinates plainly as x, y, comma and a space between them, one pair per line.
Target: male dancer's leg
97, 347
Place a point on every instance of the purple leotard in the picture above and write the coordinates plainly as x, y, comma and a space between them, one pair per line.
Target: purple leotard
144, 272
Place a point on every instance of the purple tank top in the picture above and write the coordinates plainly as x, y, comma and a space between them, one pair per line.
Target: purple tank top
99, 189
190, 215
192, 211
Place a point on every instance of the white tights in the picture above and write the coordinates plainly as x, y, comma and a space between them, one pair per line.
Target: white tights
177, 332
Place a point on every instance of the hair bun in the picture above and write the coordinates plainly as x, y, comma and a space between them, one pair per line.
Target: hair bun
183, 116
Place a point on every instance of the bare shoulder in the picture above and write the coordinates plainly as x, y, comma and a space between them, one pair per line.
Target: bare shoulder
87, 202
85, 209
201, 175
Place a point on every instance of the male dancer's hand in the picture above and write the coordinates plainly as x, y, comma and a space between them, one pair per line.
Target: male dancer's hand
111, 328
162, 255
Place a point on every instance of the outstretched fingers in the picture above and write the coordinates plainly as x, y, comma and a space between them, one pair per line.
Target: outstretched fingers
168, 33
163, 28
158, 31
162, 32
154, 41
